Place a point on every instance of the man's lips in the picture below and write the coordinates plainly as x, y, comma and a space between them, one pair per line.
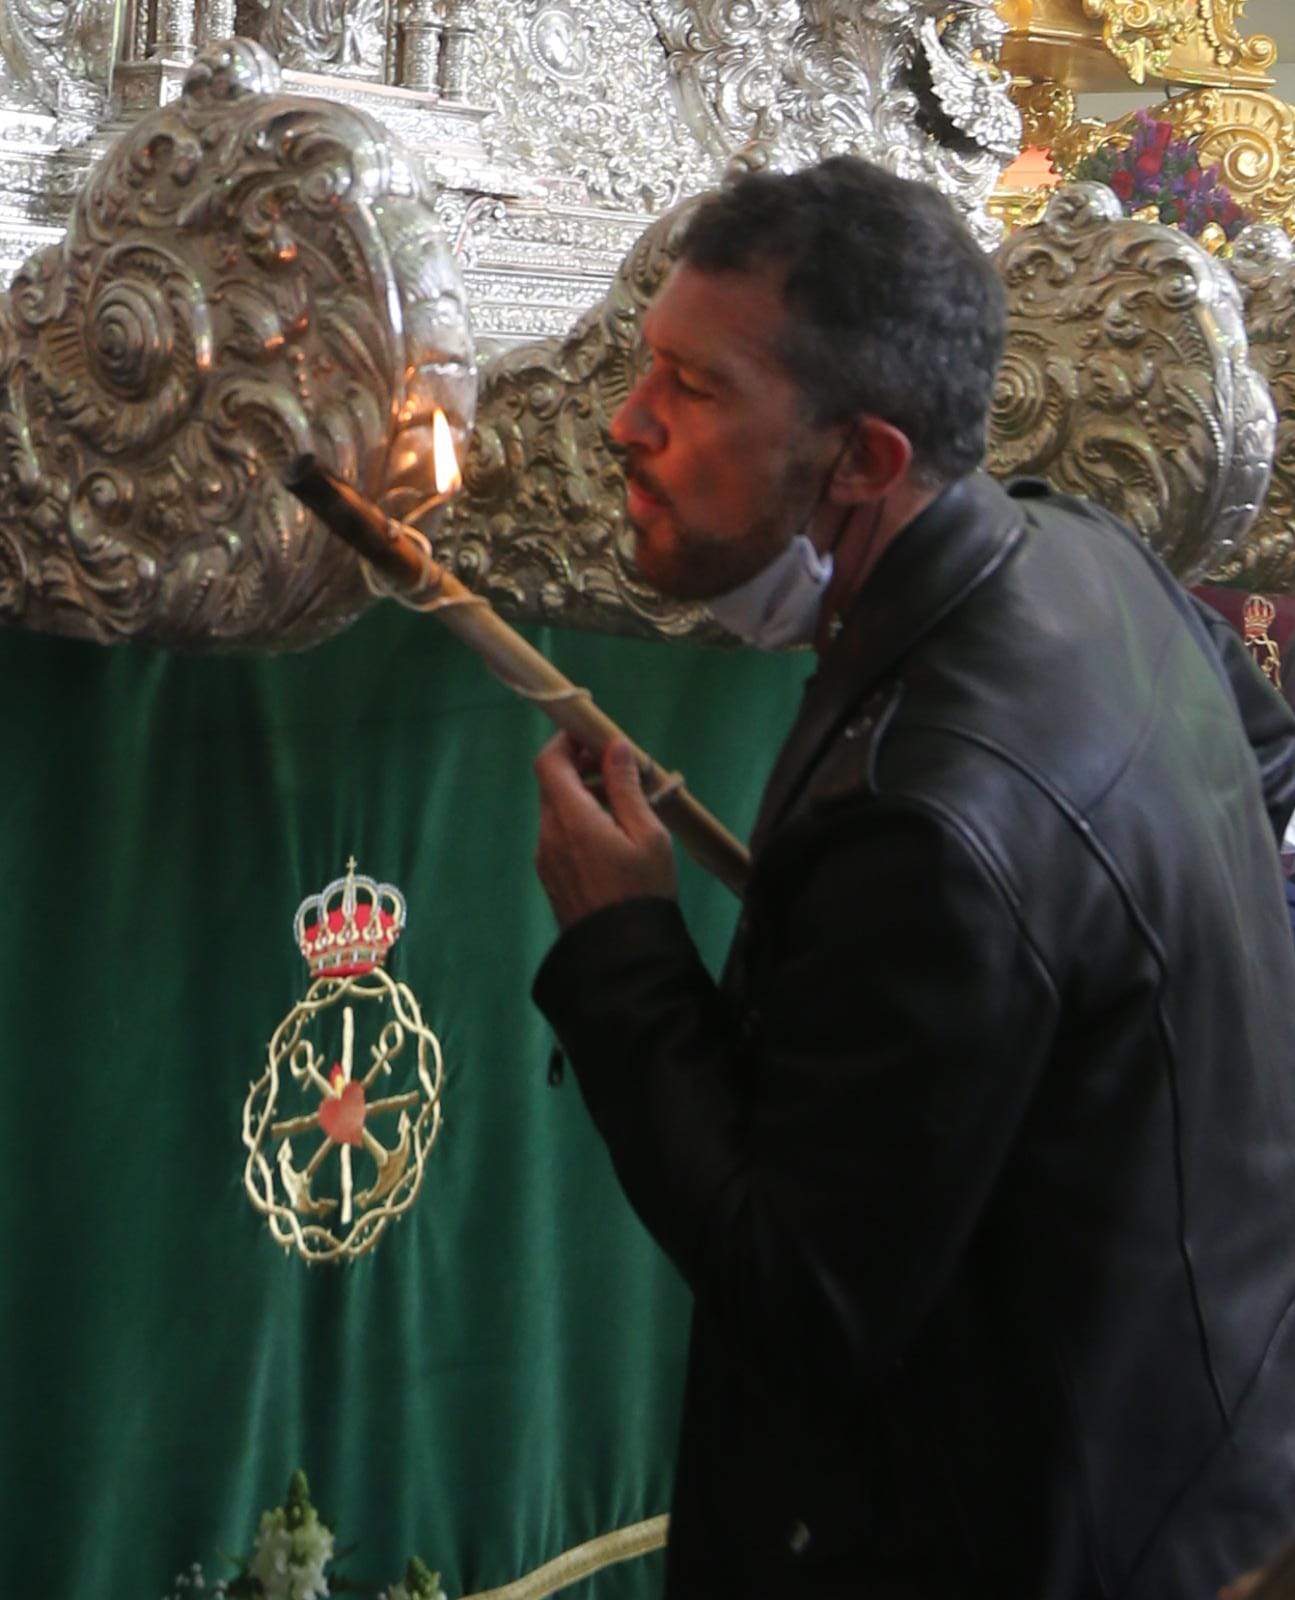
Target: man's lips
641, 496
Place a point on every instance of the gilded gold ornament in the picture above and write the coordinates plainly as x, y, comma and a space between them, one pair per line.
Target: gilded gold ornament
1253, 55
1047, 110
1141, 35
1098, 44
1020, 208
1081, 139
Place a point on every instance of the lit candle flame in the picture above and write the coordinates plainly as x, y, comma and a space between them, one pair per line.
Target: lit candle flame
449, 480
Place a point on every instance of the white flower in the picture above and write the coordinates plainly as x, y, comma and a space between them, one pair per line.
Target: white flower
193, 1579
290, 1562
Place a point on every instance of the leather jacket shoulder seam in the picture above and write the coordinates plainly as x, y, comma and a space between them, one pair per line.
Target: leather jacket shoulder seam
1077, 817
977, 847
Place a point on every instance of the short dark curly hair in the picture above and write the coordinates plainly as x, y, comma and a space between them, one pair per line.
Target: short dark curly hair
895, 309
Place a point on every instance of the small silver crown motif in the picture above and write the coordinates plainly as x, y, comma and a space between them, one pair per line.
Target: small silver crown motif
348, 928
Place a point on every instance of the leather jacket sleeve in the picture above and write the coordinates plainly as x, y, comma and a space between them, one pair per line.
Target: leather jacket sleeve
815, 1152
1269, 721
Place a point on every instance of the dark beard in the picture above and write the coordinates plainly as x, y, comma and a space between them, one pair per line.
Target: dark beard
697, 567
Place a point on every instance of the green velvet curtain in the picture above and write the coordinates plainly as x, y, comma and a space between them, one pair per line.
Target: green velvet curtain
499, 1380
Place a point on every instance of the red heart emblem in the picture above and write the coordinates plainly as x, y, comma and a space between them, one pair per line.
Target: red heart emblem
342, 1116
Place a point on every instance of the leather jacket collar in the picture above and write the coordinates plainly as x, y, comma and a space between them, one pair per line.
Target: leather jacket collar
941, 557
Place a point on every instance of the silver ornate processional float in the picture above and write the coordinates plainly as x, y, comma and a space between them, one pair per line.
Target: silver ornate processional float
239, 260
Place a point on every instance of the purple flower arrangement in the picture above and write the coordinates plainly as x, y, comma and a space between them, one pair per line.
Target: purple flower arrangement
1158, 169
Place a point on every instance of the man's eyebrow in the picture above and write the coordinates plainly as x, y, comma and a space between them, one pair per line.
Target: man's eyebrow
681, 358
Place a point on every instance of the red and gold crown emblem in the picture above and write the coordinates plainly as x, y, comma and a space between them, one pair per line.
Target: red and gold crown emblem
1260, 614
328, 1098
348, 928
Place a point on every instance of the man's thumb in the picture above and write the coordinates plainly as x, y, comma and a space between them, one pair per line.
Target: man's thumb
623, 786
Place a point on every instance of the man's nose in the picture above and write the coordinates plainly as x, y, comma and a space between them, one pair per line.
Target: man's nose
635, 422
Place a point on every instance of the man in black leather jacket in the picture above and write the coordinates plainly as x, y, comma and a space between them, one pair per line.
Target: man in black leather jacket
980, 1162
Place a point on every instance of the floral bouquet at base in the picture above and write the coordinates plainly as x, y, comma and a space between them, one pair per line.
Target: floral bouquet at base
1158, 169
290, 1561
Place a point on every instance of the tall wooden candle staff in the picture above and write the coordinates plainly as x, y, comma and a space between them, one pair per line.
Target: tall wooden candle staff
401, 557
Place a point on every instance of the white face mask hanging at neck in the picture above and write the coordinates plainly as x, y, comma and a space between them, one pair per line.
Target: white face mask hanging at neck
781, 604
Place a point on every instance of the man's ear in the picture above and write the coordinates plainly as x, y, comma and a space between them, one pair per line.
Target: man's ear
875, 460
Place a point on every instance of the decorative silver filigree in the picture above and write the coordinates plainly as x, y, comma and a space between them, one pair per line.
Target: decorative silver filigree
900, 82
586, 91
62, 52
971, 98
583, 91
1127, 379
246, 277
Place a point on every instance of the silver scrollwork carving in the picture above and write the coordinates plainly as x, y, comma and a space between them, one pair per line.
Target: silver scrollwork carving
541, 529
906, 83
1127, 379
606, 91
584, 91
62, 53
247, 276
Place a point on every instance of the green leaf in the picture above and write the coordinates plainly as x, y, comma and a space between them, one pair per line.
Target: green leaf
297, 1507
421, 1581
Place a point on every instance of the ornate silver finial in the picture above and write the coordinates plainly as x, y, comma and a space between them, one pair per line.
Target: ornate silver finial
228, 70
1076, 209
1259, 250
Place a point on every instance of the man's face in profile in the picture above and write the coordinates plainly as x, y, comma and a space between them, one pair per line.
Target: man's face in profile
723, 466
